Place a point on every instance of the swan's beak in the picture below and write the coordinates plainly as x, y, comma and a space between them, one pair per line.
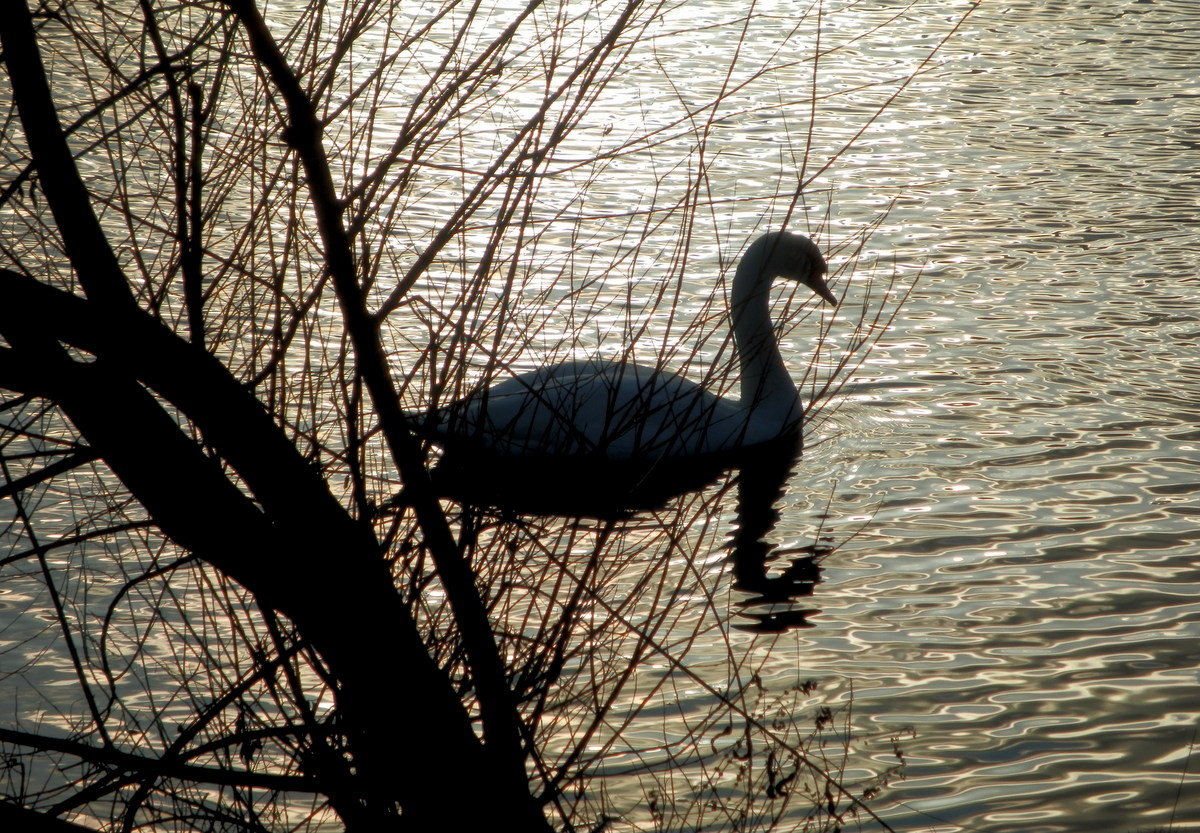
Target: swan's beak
821, 288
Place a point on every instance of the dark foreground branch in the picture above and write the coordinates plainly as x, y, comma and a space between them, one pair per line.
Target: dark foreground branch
141, 767
503, 735
13, 817
412, 739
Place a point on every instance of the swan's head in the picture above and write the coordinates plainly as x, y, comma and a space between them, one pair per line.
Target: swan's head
796, 258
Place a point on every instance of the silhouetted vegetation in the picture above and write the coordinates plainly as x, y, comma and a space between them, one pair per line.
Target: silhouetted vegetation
239, 243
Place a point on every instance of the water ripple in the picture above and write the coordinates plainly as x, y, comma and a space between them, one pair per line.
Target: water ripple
1025, 594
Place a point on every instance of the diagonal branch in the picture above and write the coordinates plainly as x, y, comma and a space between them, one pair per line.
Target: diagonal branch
70, 202
13, 817
50, 470
501, 722
338, 594
146, 767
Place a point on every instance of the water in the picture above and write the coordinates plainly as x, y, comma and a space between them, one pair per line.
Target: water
1011, 483
1025, 596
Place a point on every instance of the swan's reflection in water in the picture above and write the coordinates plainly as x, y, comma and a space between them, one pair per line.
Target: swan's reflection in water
771, 580
774, 578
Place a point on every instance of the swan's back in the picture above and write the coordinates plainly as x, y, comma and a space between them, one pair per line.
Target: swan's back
611, 410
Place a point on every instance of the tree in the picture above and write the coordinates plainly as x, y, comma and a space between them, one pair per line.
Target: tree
238, 245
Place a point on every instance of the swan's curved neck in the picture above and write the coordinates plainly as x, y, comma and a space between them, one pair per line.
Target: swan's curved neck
767, 387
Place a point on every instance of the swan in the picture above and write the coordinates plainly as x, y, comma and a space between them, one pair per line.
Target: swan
598, 437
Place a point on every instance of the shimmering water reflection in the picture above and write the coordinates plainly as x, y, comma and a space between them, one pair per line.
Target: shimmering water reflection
1025, 597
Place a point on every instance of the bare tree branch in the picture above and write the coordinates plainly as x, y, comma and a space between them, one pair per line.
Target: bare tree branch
140, 767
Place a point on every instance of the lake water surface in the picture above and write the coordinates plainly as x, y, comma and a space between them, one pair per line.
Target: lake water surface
1025, 596
1011, 484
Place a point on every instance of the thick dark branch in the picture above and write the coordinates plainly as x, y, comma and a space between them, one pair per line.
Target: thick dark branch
15, 373
191, 230
142, 766
144, 447
501, 723
232, 420
298, 551
13, 817
339, 593
83, 239
137, 82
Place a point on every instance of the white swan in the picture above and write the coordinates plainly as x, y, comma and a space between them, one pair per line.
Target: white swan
593, 437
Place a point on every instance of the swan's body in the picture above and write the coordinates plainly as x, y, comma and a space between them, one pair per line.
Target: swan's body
622, 435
